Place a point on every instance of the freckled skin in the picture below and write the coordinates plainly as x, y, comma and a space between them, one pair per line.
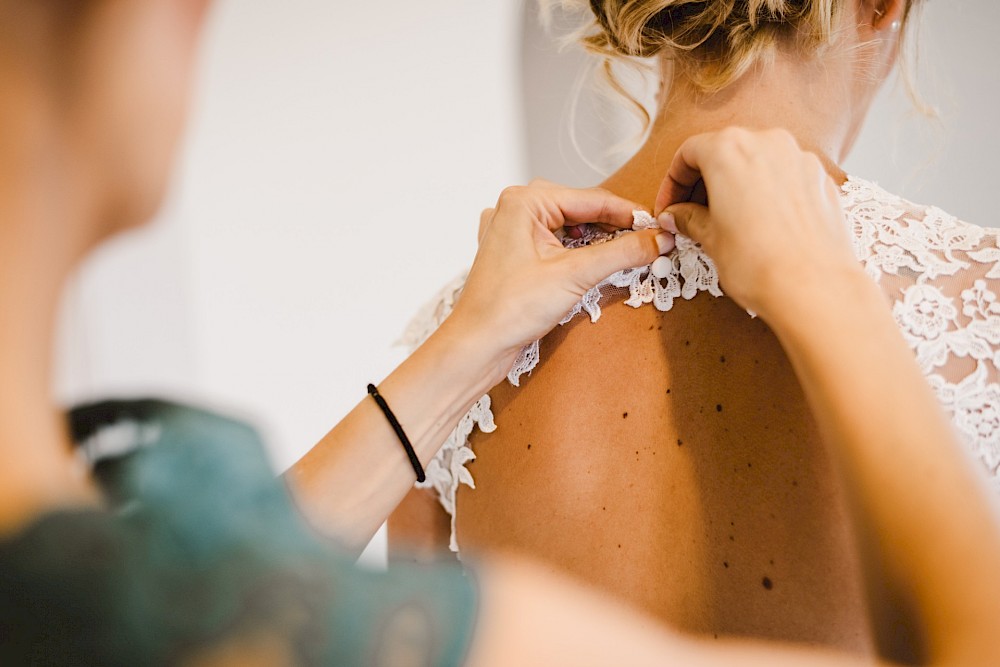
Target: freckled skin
702, 388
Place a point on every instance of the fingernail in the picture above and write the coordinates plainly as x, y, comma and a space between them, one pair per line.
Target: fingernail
665, 242
667, 222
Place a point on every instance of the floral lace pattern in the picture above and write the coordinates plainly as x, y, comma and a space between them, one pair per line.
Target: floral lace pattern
692, 271
940, 275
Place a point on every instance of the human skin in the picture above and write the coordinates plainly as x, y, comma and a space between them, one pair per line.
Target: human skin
698, 487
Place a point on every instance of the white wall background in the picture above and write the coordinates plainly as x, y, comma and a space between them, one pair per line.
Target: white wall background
338, 157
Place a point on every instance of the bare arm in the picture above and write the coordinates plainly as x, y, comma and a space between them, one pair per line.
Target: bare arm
529, 618
352, 480
921, 501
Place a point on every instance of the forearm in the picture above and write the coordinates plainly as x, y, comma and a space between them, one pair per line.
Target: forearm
933, 524
356, 475
530, 617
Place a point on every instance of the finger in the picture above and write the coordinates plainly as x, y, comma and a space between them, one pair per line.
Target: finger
485, 218
683, 175
691, 220
591, 205
542, 183
592, 264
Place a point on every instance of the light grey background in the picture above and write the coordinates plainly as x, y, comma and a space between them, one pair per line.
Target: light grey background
338, 157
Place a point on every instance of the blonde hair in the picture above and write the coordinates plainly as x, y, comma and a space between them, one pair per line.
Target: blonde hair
709, 43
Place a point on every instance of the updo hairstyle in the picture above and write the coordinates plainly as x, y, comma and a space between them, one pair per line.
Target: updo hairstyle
709, 43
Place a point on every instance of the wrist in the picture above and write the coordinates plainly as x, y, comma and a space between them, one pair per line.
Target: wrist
792, 296
831, 310
481, 350
470, 355
437, 385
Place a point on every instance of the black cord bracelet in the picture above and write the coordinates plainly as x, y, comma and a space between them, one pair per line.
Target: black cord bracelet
412, 455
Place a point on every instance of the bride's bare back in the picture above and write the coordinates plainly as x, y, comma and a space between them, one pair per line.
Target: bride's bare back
670, 459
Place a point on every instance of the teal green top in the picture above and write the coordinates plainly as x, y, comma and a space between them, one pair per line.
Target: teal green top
203, 545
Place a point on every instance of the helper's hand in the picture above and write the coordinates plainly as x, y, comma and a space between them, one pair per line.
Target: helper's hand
523, 281
773, 223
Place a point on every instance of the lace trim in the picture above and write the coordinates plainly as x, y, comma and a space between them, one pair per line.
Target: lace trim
692, 271
890, 237
447, 469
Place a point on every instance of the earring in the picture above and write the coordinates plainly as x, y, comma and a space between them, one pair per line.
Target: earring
894, 26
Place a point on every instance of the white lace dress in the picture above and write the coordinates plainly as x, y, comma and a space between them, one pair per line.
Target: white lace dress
940, 275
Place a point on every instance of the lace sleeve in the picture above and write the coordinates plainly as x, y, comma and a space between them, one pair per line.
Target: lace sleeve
942, 277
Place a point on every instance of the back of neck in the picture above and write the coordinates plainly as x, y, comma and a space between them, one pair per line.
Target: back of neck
808, 99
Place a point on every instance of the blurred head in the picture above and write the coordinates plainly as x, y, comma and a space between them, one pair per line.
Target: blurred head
112, 80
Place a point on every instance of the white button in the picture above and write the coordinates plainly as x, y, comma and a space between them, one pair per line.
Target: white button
662, 267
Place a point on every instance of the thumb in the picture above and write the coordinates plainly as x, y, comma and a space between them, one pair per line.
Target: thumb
688, 219
592, 264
